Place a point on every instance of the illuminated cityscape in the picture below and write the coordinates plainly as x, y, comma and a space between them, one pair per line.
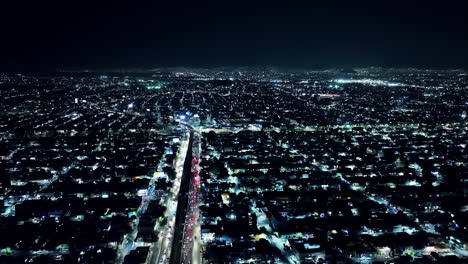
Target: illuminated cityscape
234, 132
234, 165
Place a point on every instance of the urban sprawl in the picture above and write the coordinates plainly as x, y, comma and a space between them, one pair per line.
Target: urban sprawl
234, 165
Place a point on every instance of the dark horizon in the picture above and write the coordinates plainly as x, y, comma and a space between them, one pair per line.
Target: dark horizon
50, 36
52, 69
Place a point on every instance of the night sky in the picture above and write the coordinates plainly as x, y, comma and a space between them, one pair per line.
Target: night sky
309, 34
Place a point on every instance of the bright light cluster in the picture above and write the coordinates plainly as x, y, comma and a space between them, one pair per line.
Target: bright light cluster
367, 81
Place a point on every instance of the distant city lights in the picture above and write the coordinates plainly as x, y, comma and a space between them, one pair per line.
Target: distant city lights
367, 81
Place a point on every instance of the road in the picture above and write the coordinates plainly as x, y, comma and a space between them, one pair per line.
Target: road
195, 250
192, 213
175, 256
197, 244
159, 251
